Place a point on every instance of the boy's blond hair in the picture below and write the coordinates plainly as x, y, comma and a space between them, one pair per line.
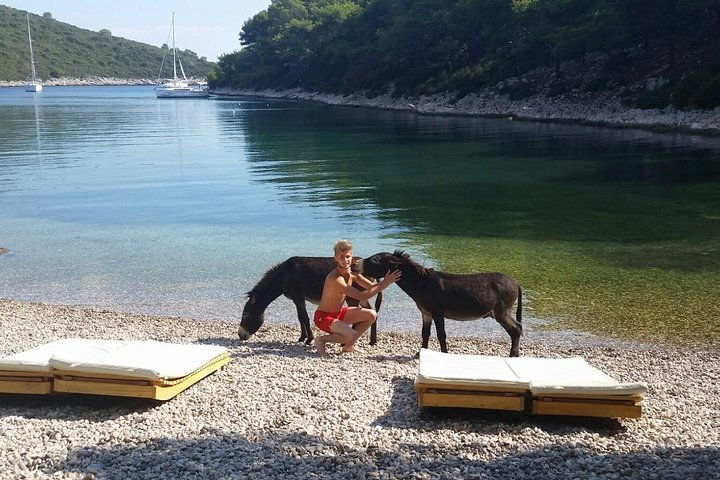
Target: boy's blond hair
342, 246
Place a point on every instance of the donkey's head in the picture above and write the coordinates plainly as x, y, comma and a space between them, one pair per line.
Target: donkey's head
376, 266
252, 319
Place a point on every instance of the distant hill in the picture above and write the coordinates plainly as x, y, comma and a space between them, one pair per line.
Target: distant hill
63, 50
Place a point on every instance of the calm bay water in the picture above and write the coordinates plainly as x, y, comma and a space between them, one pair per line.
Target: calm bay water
110, 197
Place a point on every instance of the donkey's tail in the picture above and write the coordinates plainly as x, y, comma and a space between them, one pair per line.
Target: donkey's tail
518, 313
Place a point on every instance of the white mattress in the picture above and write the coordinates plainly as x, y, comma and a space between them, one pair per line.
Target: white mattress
480, 370
539, 375
570, 375
146, 359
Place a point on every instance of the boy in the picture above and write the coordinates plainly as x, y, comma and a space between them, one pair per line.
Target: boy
335, 318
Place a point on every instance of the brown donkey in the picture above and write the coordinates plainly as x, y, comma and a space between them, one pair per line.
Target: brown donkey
441, 295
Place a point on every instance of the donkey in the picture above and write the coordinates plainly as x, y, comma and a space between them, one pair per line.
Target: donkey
441, 295
299, 279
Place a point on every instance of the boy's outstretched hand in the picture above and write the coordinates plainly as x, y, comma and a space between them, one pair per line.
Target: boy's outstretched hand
392, 277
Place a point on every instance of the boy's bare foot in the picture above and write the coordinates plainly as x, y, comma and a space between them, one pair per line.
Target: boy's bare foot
351, 349
320, 347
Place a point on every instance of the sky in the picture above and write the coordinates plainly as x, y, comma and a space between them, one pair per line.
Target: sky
208, 28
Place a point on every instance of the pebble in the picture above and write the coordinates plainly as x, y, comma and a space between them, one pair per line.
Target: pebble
277, 410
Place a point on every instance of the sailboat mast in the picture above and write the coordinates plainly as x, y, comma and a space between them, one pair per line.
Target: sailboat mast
175, 77
32, 60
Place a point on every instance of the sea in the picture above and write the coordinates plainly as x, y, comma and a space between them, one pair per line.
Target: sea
112, 198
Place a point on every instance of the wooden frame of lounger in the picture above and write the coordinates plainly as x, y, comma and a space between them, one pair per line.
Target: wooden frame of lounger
489, 398
432, 394
616, 406
26, 382
72, 381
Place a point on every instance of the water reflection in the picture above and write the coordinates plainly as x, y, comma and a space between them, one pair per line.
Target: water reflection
476, 177
38, 138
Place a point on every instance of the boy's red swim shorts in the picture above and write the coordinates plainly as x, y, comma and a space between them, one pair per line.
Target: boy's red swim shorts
323, 320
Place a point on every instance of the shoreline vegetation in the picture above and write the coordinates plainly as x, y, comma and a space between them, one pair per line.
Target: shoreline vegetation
347, 416
600, 109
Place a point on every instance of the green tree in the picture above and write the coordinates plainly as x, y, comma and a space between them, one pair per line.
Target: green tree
419, 46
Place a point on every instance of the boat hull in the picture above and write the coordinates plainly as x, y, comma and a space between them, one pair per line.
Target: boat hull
33, 87
181, 92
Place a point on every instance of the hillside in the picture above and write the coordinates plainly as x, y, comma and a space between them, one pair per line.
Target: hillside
652, 53
63, 50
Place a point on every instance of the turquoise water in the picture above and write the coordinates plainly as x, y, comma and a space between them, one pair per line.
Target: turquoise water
110, 197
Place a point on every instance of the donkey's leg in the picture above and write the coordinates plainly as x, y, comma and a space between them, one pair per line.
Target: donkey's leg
503, 316
373, 329
306, 333
426, 324
440, 332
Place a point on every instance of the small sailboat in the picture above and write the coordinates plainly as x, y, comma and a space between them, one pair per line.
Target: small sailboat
33, 85
179, 87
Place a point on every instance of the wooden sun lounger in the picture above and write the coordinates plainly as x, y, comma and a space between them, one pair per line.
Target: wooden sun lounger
142, 369
542, 386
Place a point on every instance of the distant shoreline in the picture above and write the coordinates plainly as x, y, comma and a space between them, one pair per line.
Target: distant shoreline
600, 109
91, 81
87, 81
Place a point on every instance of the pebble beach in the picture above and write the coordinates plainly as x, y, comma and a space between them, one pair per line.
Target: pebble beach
277, 410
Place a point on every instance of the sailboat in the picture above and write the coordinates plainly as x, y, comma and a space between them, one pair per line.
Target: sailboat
34, 84
179, 87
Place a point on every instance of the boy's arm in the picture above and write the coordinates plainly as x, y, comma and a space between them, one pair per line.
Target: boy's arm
374, 289
363, 282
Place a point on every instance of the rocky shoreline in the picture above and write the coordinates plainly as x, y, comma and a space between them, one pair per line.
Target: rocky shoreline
600, 109
278, 410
